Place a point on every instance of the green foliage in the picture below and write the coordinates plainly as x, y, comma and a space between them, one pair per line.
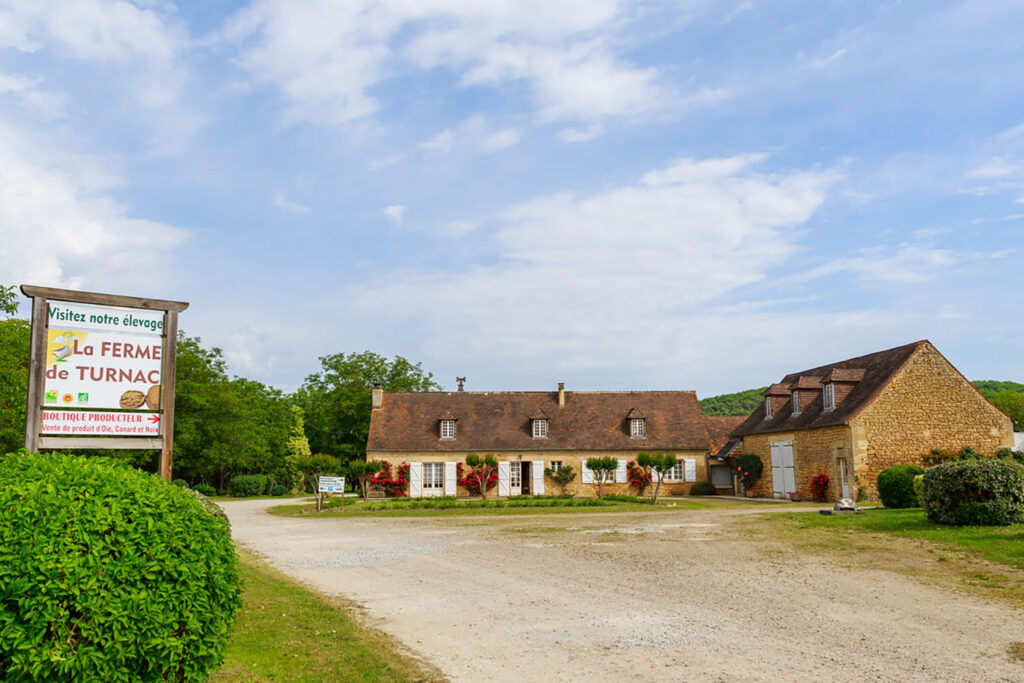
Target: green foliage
225, 426
1007, 396
658, 462
563, 476
360, 471
896, 486
108, 573
14, 343
245, 485
482, 468
312, 467
336, 400
919, 488
739, 403
974, 492
604, 471
205, 489
449, 503
749, 468
8, 300
180, 482
279, 490
703, 488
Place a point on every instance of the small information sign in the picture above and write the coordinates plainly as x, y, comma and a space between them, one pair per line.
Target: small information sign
332, 484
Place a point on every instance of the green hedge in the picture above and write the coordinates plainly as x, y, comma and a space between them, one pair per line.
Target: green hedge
975, 493
703, 488
205, 489
896, 486
109, 574
247, 485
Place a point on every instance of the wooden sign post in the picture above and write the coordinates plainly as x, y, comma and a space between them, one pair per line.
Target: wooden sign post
101, 372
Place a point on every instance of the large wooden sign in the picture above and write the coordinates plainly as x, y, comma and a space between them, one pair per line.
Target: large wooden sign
101, 372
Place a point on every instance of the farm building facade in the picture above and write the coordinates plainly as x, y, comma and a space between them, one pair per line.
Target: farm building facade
528, 432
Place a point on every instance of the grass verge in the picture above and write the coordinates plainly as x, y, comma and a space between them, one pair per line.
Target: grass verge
420, 507
285, 632
985, 560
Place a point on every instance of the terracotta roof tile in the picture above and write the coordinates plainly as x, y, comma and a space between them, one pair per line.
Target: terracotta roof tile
720, 427
874, 370
495, 421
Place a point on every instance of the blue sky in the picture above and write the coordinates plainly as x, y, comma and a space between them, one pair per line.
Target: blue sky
617, 195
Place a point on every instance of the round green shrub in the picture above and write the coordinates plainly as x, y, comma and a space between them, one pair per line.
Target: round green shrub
247, 485
180, 482
975, 493
205, 489
109, 574
896, 486
703, 488
749, 468
279, 490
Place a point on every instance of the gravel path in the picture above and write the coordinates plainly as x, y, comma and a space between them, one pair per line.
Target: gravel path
624, 597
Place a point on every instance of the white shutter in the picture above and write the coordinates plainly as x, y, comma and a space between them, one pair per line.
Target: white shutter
587, 474
449, 479
620, 473
503, 475
538, 477
654, 475
691, 470
415, 479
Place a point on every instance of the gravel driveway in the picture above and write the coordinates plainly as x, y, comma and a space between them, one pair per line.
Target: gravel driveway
646, 596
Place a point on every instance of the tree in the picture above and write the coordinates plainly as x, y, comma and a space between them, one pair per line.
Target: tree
297, 447
604, 471
336, 400
739, 403
14, 348
658, 463
315, 466
563, 476
482, 468
8, 300
1012, 403
361, 471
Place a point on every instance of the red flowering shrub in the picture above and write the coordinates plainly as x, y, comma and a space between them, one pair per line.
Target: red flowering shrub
395, 487
471, 481
638, 477
819, 488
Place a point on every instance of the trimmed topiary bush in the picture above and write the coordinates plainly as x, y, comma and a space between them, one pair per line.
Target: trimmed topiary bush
180, 482
975, 493
896, 486
109, 574
247, 485
919, 488
279, 490
703, 488
205, 489
749, 468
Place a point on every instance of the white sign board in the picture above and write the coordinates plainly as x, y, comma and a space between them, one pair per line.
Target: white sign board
103, 357
331, 484
100, 423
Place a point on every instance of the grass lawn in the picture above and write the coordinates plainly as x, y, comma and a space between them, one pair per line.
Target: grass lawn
285, 632
427, 507
989, 560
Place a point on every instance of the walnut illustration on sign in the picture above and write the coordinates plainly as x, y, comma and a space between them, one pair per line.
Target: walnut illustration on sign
132, 399
153, 397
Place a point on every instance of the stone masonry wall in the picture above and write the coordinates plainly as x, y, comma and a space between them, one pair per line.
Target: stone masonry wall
815, 451
928, 404
551, 487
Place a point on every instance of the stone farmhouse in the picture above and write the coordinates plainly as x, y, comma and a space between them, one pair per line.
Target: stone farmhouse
530, 430
852, 419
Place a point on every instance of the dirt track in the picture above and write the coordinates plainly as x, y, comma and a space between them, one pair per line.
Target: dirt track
650, 596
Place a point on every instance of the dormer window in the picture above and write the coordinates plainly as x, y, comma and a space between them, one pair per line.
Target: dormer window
767, 407
828, 396
637, 429
447, 429
540, 428
796, 402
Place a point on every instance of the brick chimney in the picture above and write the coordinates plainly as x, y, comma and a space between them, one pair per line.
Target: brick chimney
561, 394
377, 397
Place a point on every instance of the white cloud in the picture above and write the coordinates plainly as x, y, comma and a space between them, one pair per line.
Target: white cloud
383, 162
591, 280
997, 167
325, 58
46, 104
581, 134
475, 134
825, 61
395, 213
282, 202
62, 229
908, 263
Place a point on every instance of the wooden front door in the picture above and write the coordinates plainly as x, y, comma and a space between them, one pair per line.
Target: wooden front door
783, 471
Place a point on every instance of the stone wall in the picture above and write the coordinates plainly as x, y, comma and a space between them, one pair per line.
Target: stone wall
927, 404
815, 451
551, 487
